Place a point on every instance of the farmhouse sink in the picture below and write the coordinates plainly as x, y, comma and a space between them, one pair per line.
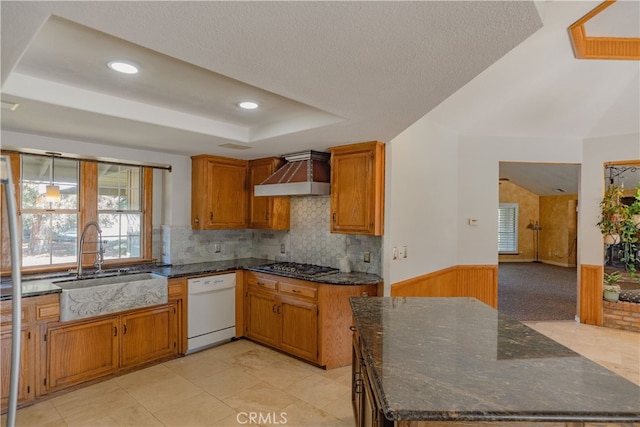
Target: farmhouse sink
82, 298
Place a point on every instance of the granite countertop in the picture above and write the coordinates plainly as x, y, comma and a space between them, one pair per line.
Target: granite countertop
459, 359
42, 284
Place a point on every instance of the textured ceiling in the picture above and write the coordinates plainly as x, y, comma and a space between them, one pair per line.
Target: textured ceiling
326, 73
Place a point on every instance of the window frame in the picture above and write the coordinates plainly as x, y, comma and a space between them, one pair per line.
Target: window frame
87, 212
513, 250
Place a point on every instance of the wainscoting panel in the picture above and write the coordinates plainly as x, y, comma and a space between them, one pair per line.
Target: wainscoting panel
591, 294
478, 281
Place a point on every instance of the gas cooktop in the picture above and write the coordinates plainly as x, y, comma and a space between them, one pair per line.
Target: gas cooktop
297, 269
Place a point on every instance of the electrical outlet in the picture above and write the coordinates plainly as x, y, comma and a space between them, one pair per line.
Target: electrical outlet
282, 248
406, 253
367, 257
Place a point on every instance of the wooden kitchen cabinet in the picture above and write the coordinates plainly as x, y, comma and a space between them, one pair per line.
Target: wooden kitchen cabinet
366, 408
299, 327
357, 188
26, 377
283, 313
177, 289
148, 335
219, 193
36, 312
263, 323
305, 319
83, 350
271, 213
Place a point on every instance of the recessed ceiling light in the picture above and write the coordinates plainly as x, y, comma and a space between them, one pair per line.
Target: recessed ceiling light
123, 67
248, 105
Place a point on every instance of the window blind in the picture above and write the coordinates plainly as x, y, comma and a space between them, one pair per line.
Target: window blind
508, 228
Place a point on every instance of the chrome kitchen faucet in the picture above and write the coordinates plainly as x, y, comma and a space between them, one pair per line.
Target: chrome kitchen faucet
99, 252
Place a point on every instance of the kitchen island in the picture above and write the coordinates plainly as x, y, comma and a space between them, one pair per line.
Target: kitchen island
457, 361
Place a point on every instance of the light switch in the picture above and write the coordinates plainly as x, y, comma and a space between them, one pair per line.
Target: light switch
473, 222
401, 252
395, 252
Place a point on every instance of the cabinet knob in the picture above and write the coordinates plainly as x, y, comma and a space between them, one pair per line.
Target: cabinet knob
197, 220
333, 217
211, 216
124, 329
352, 328
273, 309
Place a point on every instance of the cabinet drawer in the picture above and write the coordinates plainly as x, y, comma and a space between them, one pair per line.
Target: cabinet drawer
262, 283
48, 311
298, 290
6, 311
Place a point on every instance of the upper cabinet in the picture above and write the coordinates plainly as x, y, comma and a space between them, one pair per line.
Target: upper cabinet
267, 212
357, 188
219, 193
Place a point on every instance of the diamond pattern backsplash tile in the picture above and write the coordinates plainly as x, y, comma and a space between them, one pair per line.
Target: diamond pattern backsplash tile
311, 239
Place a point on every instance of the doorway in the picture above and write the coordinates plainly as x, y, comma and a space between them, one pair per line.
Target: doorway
538, 280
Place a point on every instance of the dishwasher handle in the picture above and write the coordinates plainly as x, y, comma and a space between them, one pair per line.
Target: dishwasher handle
202, 286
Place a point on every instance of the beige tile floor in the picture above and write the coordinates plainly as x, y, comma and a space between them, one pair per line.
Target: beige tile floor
223, 385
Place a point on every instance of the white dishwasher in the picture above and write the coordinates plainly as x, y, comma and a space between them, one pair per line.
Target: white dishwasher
211, 312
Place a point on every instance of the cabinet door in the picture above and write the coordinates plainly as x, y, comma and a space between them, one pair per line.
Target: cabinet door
228, 195
356, 381
267, 212
81, 351
357, 186
219, 194
25, 378
299, 327
148, 335
262, 319
259, 207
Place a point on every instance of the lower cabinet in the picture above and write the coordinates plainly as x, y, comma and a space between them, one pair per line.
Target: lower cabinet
283, 315
366, 409
305, 319
81, 351
25, 379
84, 350
35, 312
299, 327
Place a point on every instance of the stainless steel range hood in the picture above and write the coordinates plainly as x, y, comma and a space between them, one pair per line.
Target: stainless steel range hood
305, 174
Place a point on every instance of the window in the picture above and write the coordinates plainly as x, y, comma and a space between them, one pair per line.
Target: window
49, 229
117, 196
508, 228
120, 210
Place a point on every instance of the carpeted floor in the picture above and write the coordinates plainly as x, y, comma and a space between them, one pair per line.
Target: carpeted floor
536, 291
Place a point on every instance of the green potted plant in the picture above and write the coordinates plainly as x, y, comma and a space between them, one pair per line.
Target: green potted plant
612, 214
611, 291
634, 208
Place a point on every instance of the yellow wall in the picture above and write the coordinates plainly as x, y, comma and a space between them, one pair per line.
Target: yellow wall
559, 221
556, 215
528, 212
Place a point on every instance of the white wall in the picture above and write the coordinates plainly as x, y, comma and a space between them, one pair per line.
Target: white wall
478, 167
420, 201
174, 189
597, 151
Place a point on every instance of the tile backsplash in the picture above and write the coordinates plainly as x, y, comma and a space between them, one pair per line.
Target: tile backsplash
308, 241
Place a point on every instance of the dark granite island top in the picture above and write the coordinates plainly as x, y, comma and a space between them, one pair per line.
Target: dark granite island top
457, 359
